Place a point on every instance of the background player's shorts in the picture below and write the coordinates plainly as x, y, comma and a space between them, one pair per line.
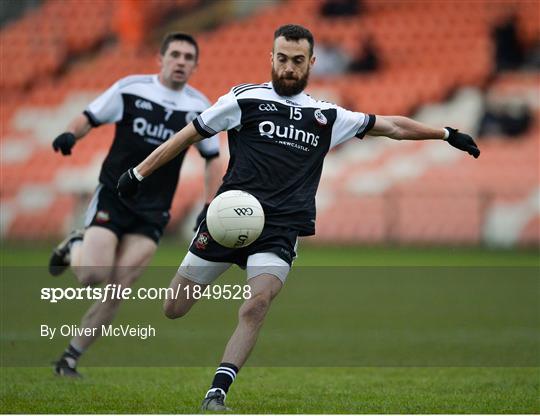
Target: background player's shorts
273, 252
107, 210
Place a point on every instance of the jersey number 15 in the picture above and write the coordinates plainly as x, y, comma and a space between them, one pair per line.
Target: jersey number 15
295, 113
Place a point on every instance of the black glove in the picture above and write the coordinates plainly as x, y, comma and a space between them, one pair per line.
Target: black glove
64, 143
201, 217
463, 142
128, 184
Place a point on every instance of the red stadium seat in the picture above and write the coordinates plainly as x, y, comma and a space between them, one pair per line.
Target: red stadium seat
417, 40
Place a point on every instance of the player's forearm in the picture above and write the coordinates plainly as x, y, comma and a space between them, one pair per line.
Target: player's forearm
168, 150
212, 178
79, 126
413, 130
405, 128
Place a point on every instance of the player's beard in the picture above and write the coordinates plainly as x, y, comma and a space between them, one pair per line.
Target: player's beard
289, 89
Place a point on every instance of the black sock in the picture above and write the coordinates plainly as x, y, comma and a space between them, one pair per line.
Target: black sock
71, 355
225, 375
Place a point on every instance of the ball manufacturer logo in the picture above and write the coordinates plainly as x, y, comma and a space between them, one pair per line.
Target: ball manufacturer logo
242, 212
241, 240
321, 119
268, 107
202, 241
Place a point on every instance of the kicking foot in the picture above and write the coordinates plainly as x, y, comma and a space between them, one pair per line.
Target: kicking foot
66, 367
214, 402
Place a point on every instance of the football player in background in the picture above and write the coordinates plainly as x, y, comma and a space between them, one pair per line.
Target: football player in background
121, 236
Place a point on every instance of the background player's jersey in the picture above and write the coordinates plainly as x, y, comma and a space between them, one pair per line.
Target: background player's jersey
146, 114
277, 147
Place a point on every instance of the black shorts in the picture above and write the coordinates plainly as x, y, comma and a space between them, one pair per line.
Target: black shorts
278, 240
107, 210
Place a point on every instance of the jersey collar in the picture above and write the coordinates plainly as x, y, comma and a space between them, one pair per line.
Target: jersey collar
162, 87
297, 99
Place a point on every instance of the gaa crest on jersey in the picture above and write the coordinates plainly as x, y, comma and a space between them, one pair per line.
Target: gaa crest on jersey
202, 240
320, 117
268, 107
143, 104
190, 116
102, 216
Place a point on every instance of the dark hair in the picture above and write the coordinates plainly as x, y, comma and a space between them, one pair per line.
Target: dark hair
295, 32
178, 36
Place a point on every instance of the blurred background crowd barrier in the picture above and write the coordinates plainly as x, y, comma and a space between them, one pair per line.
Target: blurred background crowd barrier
471, 65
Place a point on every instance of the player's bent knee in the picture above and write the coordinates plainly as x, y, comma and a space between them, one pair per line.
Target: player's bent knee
92, 276
172, 310
169, 310
254, 309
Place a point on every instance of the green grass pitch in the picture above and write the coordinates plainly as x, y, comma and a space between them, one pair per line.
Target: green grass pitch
265, 386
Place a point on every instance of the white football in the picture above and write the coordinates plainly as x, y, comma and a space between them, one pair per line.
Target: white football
235, 219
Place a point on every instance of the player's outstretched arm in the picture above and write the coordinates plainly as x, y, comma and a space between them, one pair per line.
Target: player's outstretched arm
77, 129
404, 128
128, 183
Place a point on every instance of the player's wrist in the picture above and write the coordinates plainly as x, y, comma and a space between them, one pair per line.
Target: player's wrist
446, 134
137, 175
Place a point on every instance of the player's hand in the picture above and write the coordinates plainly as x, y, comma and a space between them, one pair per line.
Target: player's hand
463, 142
64, 143
201, 216
128, 184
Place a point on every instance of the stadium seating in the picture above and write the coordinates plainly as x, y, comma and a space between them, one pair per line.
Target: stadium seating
378, 191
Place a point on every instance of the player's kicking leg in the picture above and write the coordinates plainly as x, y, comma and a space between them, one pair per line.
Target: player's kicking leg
268, 263
131, 257
264, 288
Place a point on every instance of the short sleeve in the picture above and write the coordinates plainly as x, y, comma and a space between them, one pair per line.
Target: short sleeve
225, 114
208, 148
350, 124
107, 108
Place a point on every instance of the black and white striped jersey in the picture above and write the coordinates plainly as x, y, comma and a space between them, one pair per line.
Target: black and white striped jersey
277, 147
146, 114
